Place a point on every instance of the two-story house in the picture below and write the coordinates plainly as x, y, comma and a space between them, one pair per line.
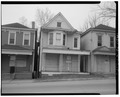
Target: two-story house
60, 47
17, 50
101, 41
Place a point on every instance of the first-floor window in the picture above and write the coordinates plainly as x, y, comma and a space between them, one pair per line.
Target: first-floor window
12, 38
26, 39
76, 42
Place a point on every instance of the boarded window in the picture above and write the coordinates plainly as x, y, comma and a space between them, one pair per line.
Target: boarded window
26, 39
99, 40
51, 38
12, 38
111, 41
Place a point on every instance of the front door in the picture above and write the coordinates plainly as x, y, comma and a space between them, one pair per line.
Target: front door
12, 64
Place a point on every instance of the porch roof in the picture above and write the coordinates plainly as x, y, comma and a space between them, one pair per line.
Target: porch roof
103, 50
64, 51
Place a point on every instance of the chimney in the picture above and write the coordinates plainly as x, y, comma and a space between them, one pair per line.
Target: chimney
33, 25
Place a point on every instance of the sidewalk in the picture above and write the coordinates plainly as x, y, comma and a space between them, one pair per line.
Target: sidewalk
53, 79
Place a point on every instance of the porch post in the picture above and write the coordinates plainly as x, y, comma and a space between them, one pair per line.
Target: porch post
60, 62
79, 63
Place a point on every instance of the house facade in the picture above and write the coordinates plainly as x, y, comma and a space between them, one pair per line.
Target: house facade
17, 50
101, 42
60, 47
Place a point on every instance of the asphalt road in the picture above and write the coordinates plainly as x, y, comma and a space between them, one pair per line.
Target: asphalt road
107, 86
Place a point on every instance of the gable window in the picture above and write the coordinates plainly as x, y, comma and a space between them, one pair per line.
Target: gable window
75, 42
64, 38
58, 24
111, 41
26, 40
99, 40
58, 38
12, 38
51, 38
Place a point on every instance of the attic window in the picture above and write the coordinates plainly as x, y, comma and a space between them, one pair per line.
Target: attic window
58, 24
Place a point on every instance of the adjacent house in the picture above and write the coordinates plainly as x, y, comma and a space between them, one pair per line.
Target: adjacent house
60, 47
101, 41
17, 50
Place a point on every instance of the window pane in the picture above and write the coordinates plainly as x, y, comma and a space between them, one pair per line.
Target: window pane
11, 41
51, 38
75, 42
26, 42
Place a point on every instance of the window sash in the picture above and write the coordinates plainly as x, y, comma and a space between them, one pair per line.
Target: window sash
111, 41
64, 38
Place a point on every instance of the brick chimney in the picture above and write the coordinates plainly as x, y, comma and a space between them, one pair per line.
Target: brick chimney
33, 25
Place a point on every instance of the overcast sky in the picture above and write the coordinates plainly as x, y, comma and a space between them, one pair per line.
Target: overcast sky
76, 14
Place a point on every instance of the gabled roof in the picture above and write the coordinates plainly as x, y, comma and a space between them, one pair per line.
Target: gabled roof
101, 28
104, 49
16, 25
14, 47
59, 14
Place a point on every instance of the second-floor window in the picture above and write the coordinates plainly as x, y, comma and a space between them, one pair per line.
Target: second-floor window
64, 39
111, 41
51, 38
12, 38
75, 42
58, 38
99, 40
26, 40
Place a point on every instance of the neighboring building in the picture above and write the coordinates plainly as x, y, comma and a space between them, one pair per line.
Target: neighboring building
101, 42
60, 47
18, 43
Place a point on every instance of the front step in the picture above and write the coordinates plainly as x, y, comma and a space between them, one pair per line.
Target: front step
6, 76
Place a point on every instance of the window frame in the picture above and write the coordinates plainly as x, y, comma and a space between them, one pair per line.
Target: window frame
24, 38
9, 38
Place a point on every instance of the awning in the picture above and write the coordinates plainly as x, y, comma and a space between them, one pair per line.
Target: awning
57, 51
17, 52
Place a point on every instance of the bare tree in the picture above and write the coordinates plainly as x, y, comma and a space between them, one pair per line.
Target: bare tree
43, 16
107, 10
23, 20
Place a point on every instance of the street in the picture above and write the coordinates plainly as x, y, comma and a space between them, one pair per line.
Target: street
106, 86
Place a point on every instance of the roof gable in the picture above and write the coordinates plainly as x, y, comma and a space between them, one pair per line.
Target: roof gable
16, 25
58, 18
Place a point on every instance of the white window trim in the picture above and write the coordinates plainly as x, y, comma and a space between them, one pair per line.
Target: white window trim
9, 38
49, 37
29, 38
101, 39
65, 39
78, 47
60, 39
